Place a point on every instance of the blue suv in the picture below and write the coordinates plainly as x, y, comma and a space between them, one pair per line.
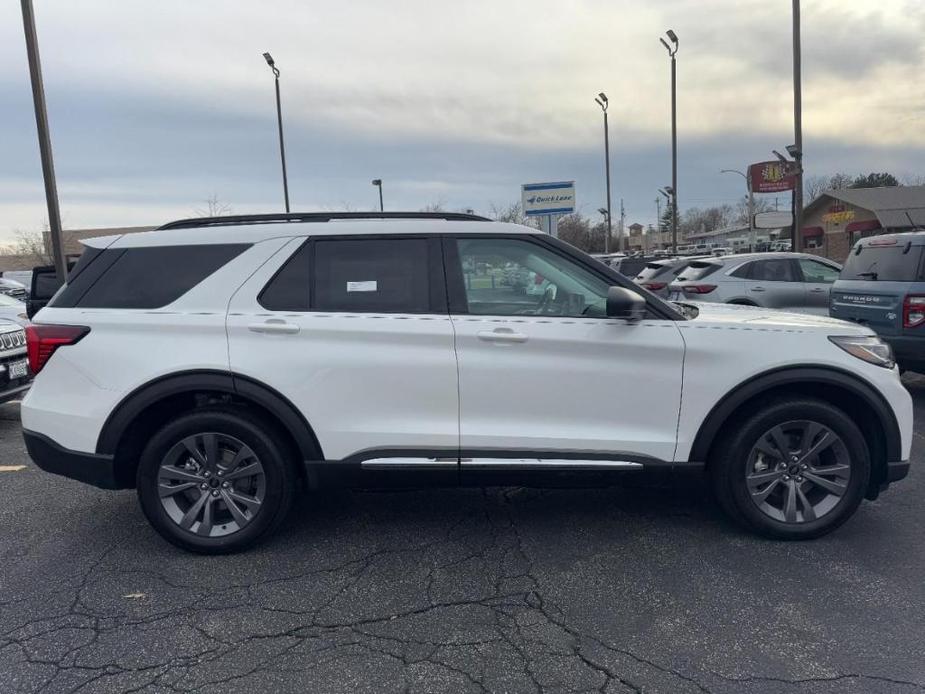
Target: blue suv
882, 286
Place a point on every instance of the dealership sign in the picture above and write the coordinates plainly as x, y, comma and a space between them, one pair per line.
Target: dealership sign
771, 177
772, 220
548, 198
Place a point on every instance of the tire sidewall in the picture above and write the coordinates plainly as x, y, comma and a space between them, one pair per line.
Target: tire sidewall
732, 470
278, 474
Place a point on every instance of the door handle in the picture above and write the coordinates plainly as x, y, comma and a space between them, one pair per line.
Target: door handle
274, 326
501, 335
817, 290
757, 289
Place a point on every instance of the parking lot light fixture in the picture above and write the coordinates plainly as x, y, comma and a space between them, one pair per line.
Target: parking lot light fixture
279, 120
603, 102
672, 52
378, 183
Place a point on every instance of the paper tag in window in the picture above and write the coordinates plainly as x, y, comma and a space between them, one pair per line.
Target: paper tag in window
367, 286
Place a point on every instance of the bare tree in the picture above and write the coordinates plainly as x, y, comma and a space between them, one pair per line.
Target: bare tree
36, 245
434, 207
814, 186
215, 207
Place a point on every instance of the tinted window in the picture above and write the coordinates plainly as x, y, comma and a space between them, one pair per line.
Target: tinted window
743, 271
371, 276
898, 263
697, 270
652, 270
288, 290
816, 272
144, 277
512, 277
774, 270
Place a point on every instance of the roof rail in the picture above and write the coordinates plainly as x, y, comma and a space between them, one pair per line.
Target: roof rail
285, 217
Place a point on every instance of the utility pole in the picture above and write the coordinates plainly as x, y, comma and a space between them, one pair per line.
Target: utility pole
797, 244
279, 120
41, 124
658, 220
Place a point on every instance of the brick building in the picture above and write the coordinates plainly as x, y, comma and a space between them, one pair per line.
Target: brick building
834, 221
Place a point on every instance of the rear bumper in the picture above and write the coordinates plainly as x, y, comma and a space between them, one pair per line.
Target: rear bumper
90, 468
909, 351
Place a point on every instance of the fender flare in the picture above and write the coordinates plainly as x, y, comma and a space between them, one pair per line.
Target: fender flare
266, 397
825, 375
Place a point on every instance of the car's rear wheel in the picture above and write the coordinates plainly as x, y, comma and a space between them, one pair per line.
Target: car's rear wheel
793, 470
214, 481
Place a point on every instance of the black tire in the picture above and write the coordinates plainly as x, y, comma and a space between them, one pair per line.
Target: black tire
275, 480
731, 460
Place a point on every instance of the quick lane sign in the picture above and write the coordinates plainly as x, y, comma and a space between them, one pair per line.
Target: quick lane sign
548, 198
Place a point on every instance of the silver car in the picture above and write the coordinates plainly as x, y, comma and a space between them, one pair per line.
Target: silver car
793, 281
657, 275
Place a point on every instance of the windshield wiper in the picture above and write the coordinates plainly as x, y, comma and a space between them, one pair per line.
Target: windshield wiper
872, 275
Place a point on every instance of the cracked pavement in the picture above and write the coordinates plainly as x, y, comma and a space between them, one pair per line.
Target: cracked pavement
643, 588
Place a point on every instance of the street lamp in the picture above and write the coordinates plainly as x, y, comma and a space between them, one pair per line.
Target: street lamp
601, 100
672, 51
751, 207
378, 183
279, 120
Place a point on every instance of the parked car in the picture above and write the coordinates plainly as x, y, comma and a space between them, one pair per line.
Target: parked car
882, 286
13, 289
218, 365
24, 277
794, 281
658, 274
13, 310
720, 251
14, 364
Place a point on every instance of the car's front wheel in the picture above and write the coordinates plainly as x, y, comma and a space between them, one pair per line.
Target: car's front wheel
794, 469
214, 481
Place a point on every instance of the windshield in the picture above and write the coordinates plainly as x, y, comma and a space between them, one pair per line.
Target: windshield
899, 263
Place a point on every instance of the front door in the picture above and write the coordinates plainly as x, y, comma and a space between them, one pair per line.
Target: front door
355, 333
818, 278
546, 379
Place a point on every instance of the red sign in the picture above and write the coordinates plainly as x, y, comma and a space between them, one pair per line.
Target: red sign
771, 177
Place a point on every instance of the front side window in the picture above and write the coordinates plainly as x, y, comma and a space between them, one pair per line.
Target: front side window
814, 271
514, 277
371, 276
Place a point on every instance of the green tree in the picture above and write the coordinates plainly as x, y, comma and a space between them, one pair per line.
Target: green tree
875, 180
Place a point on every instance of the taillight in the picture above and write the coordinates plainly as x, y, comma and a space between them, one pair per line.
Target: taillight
699, 288
913, 310
654, 286
43, 340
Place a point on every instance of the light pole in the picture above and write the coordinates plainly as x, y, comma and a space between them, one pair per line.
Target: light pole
672, 51
797, 151
378, 183
751, 207
794, 168
279, 119
41, 122
606, 215
601, 100
670, 195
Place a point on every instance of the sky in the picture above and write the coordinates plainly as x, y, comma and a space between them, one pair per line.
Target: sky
155, 107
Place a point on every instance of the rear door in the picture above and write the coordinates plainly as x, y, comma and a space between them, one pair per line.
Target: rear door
818, 278
874, 282
775, 283
354, 331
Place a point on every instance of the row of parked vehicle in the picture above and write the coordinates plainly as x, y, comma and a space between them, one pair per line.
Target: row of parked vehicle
881, 286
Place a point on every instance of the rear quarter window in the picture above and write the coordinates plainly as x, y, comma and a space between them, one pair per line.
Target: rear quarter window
899, 263
697, 271
651, 270
143, 277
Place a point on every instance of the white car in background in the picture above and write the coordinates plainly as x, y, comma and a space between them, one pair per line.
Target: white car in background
13, 310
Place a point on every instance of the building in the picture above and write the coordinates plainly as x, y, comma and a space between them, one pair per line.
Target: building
636, 240
834, 221
734, 237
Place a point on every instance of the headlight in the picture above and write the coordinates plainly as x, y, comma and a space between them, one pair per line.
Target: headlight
869, 348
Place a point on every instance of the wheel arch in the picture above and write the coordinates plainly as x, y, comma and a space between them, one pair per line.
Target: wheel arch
860, 400
149, 406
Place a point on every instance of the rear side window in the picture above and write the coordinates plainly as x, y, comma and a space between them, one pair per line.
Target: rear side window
697, 271
900, 263
371, 276
143, 277
652, 270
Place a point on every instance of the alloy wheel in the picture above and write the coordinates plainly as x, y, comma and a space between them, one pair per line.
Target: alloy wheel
211, 484
798, 471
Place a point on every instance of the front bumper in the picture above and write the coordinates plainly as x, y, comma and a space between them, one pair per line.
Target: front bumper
91, 468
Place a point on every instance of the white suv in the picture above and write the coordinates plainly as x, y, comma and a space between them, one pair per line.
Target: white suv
217, 365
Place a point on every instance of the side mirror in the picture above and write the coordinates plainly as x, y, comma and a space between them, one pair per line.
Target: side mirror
625, 303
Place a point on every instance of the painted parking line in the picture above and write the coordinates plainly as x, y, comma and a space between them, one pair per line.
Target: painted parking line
12, 468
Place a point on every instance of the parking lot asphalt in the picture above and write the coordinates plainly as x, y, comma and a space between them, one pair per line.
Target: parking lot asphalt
639, 588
